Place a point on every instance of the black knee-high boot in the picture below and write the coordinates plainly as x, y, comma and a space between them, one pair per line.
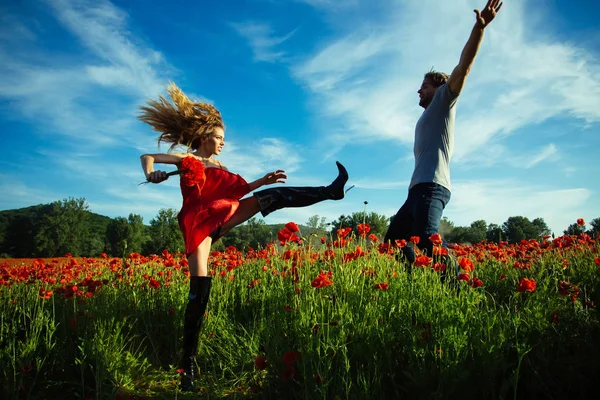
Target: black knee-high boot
282, 197
194, 315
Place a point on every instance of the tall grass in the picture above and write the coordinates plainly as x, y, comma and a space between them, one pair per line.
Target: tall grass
379, 330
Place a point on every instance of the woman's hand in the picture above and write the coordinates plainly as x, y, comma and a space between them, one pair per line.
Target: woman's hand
157, 176
274, 177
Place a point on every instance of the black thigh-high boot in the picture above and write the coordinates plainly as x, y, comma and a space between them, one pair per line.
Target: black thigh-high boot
283, 197
194, 315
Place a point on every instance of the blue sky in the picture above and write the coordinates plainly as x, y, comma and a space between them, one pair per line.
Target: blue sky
302, 83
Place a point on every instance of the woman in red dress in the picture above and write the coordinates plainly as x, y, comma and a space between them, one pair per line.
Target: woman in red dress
213, 200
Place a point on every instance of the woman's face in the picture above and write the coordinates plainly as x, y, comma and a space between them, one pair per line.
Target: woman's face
215, 141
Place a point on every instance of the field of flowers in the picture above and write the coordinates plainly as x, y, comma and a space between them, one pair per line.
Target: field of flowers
310, 318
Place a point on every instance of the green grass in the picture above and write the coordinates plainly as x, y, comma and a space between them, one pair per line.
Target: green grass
423, 337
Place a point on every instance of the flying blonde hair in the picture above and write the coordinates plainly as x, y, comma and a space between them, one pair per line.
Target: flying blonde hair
182, 121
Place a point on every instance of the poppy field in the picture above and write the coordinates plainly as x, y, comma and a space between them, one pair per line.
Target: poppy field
310, 318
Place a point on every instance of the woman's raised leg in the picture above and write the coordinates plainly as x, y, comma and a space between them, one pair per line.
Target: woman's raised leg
268, 200
248, 208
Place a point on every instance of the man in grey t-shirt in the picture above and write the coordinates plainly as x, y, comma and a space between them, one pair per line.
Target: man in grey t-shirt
429, 190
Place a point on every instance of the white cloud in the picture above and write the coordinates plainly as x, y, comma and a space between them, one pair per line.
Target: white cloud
253, 160
16, 193
89, 98
366, 78
262, 40
496, 200
546, 153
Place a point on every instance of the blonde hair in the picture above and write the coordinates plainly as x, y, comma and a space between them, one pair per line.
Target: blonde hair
182, 121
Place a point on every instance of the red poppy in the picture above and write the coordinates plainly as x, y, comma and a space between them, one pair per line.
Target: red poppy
423, 261
476, 282
564, 288
343, 232
439, 267
363, 229
400, 243
382, 286
415, 239
526, 285
285, 235
466, 264
436, 239
292, 227
291, 357
463, 277
260, 363
322, 280
580, 222
154, 284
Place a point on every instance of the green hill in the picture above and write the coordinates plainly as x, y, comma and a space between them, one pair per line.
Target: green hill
18, 228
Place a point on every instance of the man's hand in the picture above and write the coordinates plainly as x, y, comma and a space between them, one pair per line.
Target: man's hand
274, 177
462, 70
489, 13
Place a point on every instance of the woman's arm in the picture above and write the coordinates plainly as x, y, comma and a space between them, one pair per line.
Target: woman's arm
148, 161
270, 178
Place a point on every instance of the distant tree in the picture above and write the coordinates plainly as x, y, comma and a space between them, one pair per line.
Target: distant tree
164, 233
459, 234
594, 227
540, 227
446, 227
477, 231
494, 233
253, 233
93, 244
378, 222
315, 226
574, 229
117, 233
63, 229
4, 222
137, 233
520, 228
516, 229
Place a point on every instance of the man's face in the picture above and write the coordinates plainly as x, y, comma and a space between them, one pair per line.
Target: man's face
426, 92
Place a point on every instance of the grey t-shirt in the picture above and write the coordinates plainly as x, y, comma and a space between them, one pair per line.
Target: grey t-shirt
434, 140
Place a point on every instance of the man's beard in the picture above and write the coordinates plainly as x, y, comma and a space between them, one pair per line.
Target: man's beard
424, 102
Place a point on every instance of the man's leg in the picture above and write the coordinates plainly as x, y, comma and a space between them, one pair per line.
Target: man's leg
433, 198
400, 228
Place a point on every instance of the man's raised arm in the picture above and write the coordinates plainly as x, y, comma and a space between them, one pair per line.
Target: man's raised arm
459, 75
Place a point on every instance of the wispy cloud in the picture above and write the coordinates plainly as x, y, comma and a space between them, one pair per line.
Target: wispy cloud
262, 40
90, 98
496, 200
367, 76
255, 159
16, 193
544, 154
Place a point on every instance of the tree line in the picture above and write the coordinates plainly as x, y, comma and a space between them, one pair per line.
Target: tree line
68, 226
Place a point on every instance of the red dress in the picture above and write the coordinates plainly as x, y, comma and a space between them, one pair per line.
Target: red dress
208, 204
